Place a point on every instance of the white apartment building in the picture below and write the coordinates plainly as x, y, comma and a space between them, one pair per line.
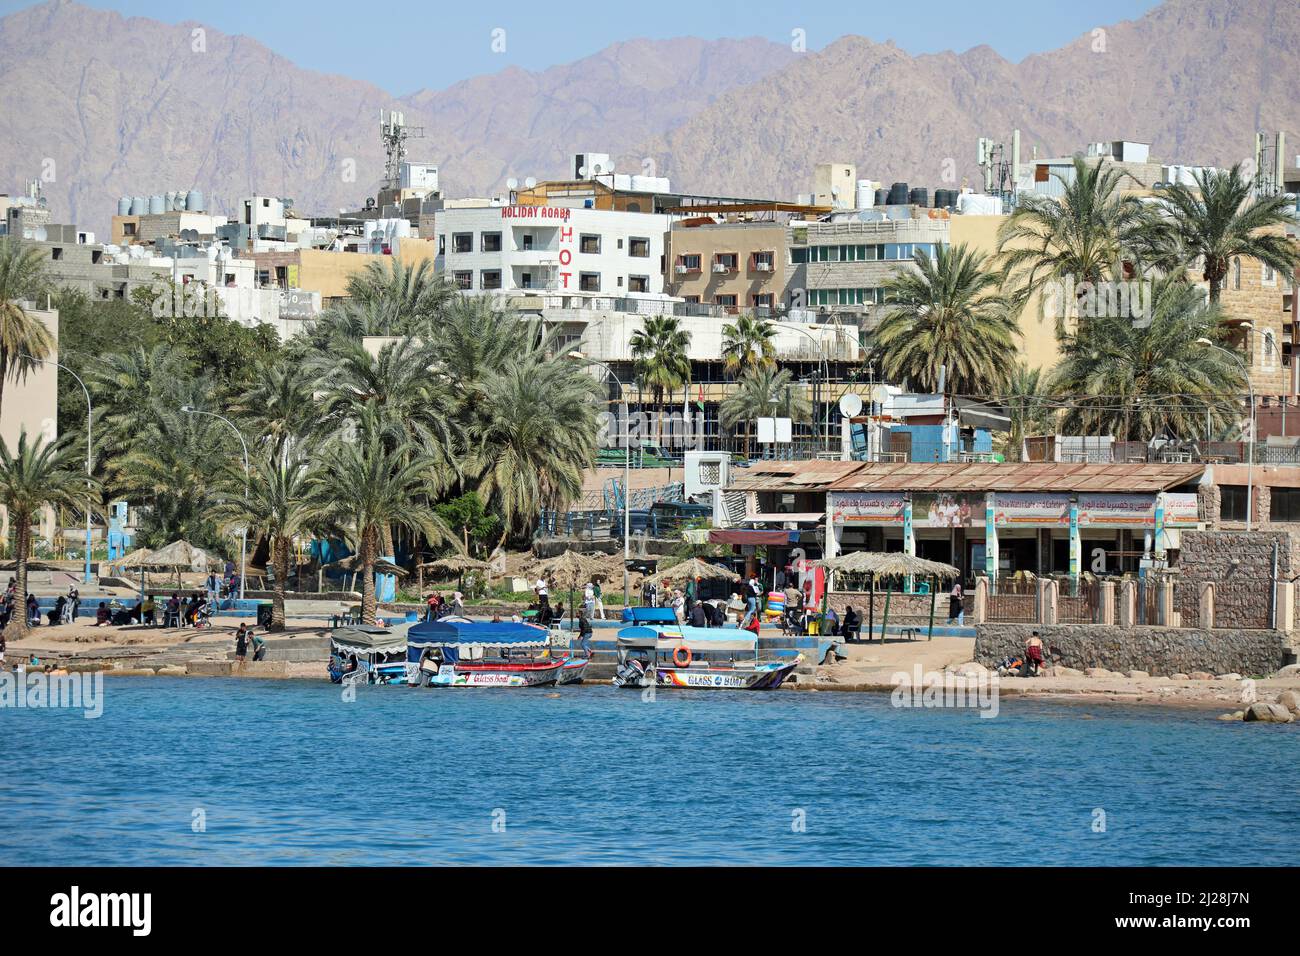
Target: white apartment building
522, 250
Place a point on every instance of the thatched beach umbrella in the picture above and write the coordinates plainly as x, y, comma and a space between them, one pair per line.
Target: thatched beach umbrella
181, 556
693, 569
573, 567
891, 564
456, 564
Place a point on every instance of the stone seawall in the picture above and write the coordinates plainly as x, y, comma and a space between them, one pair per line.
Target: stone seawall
1156, 650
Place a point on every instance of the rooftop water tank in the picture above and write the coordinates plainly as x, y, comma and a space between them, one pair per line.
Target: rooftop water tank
898, 194
124, 206
138, 206
194, 201
882, 197
920, 196
866, 195
156, 206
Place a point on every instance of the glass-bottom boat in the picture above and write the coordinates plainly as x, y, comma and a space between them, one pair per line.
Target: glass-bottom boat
457, 652
696, 657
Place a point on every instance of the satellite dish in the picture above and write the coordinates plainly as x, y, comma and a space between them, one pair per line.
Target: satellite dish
879, 394
598, 170
512, 184
582, 170
610, 167
850, 404
530, 182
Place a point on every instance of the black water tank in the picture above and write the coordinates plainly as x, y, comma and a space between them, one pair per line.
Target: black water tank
920, 196
898, 194
882, 197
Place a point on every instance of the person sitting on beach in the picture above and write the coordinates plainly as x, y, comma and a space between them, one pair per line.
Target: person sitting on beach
172, 618
56, 614
852, 629
33, 610
102, 617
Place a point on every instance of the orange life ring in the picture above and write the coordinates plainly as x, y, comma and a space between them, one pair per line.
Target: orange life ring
677, 660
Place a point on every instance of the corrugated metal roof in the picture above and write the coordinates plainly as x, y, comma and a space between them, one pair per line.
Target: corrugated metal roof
791, 475
1018, 476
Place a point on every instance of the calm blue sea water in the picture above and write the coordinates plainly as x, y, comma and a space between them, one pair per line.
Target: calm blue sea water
285, 772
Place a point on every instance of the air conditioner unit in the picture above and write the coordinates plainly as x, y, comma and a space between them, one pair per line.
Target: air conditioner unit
762, 267
721, 268
682, 269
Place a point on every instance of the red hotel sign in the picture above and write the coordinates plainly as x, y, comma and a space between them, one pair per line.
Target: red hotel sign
535, 212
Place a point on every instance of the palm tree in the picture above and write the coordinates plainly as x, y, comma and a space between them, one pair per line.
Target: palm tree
1077, 238
128, 388
276, 506
536, 440
659, 358
948, 313
1029, 407
33, 476
24, 339
368, 484
400, 299
1219, 219
1136, 380
748, 344
281, 406
763, 392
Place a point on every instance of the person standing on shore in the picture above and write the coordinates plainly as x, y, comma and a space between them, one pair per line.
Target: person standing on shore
1033, 655
584, 633
241, 643
589, 599
956, 606
599, 599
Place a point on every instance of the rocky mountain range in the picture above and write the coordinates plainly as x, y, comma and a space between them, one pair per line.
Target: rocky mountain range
99, 105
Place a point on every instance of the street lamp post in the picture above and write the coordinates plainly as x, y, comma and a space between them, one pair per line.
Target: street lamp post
1250, 445
89, 446
627, 475
243, 542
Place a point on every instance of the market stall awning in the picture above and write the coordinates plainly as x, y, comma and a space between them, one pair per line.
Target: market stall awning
755, 536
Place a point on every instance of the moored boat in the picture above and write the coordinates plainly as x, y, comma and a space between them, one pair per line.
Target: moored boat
457, 652
364, 654
694, 657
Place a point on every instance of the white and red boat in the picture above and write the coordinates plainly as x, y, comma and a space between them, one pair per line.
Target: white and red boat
458, 652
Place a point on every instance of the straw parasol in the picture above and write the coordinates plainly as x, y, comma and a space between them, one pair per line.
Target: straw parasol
179, 556
572, 567
456, 564
693, 569
891, 564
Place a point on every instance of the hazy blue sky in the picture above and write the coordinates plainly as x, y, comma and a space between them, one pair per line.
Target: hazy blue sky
403, 45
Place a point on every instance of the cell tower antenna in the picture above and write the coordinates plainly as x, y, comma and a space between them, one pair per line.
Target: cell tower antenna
394, 132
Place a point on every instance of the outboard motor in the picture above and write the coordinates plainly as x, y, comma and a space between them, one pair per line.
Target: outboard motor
631, 673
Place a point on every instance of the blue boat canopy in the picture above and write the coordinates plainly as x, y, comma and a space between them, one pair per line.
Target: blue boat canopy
668, 637
649, 615
461, 632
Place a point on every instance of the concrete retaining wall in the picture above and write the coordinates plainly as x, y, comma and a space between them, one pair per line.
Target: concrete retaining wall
1157, 650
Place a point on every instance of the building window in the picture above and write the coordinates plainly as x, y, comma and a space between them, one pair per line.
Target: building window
691, 299
589, 244
96, 256
128, 229
525, 280
589, 281
1270, 276
727, 302
764, 300
638, 283
465, 280
489, 279
1232, 502
1284, 504
462, 242
762, 261
491, 242
638, 247
724, 262
687, 264
528, 242
1236, 274
56, 253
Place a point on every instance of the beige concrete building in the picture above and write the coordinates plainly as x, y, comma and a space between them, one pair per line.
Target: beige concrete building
737, 266
33, 402
326, 272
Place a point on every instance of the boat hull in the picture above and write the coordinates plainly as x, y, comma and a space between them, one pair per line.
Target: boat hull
493, 675
764, 676
573, 670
